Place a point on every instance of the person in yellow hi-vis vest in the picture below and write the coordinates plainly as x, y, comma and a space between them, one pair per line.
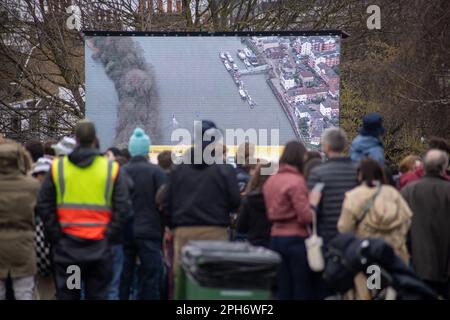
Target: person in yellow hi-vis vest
83, 203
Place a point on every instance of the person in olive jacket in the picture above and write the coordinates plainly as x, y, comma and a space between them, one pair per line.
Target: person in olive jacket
18, 196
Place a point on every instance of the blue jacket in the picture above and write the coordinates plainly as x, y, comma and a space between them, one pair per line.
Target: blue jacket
369, 146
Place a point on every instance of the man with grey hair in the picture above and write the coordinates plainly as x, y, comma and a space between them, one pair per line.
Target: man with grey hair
334, 139
429, 200
436, 162
338, 174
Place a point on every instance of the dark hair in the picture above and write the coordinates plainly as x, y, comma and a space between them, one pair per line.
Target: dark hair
40, 173
309, 165
126, 154
370, 171
388, 175
257, 180
121, 160
294, 155
48, 150
312, 154
86, 134
96, 143
35, 148
165, 159
115, 151
244, 155
440, 144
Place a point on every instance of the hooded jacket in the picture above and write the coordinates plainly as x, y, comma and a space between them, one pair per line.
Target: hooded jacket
201, 195
389, 218
18, 194
67, 248
367, 146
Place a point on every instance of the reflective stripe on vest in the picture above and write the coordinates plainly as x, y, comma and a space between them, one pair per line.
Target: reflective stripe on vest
84, 196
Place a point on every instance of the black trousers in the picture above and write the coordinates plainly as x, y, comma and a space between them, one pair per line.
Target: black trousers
9, 289
95, 276
151, 270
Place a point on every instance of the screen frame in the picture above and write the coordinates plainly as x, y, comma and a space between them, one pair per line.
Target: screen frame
101, 33
295, 33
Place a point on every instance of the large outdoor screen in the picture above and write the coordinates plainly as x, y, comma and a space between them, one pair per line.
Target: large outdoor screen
289, 84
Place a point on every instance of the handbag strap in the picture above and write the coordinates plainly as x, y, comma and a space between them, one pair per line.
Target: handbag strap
314, 223
369, 205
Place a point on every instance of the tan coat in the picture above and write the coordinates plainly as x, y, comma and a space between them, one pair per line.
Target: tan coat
18, 195
389, 219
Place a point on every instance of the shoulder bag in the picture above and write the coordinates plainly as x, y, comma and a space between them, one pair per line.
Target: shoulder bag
314, 247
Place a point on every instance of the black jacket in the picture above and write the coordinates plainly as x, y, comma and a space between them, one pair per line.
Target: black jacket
147, 179
252, 219
339, 176
347, 257
69, 248
429, 200
201, 195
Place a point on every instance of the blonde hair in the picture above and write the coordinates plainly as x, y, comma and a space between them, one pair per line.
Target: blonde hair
408, 163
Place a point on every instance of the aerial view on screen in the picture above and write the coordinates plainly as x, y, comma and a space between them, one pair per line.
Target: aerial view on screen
261, 82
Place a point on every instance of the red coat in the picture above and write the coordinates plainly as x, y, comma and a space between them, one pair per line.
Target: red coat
287, 203
412, 176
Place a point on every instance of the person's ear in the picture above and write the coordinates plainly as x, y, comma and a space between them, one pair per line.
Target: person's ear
325, 147
359, 177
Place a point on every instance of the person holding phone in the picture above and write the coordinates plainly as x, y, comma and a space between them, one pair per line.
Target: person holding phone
338, 174
289, 209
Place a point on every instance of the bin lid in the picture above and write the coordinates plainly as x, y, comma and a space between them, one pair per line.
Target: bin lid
204, 251
223, 264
